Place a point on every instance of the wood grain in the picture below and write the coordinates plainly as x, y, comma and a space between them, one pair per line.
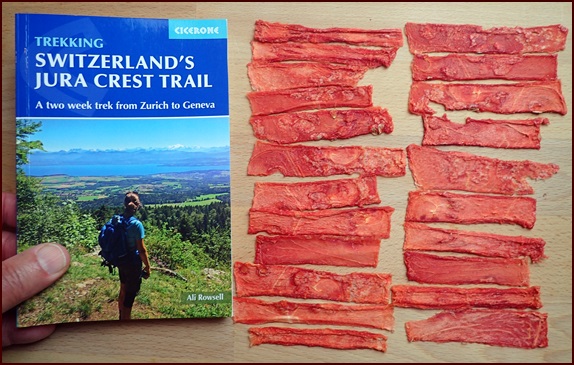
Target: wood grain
223, 341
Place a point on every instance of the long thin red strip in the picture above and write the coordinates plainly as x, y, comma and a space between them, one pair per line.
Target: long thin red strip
465, 38
421, 237
306, 161
322, 52
449, 297
470, 209
440, 131
280, 101
313, 195
506, 328
322, 124
295, 282
280, 32
433, 169
330, 338
265, 76
459, 67
525, 97
257, 311
365, 222
351, 251
433, 269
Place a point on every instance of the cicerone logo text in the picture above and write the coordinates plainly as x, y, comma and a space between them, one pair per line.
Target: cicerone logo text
196, 30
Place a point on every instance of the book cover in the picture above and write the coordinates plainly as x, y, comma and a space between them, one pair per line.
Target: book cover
125, 117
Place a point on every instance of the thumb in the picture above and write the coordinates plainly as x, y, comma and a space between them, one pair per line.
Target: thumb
31, 271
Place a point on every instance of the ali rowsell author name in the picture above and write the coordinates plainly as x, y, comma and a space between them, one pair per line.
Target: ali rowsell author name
215, 297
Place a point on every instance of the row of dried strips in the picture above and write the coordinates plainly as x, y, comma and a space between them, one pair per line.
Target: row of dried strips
305, 89
474, 53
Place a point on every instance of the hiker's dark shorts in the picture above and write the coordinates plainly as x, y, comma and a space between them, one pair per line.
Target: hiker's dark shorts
131, 276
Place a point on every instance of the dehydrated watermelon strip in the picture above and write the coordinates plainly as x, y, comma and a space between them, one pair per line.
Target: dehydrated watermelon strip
364, 222
307, 161
426, 207
454, 297
421, 237
257, 311
290, 100
296, 282
350, 251
434, 269
280, 32
466, 38
459, 67
323, 52
317, 125
330, 338
312, 195
506, 328
508, 133
265, 76
525, 97
433, 169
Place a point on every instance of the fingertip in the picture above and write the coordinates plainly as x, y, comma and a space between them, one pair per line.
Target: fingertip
21, 336
31, 271
53, 258
8, 211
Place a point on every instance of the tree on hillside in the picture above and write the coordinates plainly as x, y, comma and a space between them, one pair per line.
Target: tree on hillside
44, 217
27, 187
24, 129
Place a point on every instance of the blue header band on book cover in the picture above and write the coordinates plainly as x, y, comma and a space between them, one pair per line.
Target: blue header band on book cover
82, 66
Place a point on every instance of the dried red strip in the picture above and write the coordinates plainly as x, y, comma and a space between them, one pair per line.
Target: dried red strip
526, 97
444, 297
257, 311
421, 237
306, 161
322, 124
322, 52
433, 169
470, 209
279, 32
362, 222
295, 282
265, 76
506, 328
464, 38
312, 195
440, 131
330, 338
350, 251
280, 101
433, 269
458, 67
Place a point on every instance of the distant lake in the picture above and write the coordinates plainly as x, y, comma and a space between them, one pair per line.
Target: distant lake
113, 170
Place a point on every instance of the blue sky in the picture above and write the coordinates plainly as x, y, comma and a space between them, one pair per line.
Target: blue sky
66, 134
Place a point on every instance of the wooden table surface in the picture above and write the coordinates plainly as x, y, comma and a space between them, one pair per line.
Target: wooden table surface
223, 341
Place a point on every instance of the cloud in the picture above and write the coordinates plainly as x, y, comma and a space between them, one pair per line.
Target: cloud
175, 147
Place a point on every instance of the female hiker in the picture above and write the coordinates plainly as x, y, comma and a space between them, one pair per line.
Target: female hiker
131, 273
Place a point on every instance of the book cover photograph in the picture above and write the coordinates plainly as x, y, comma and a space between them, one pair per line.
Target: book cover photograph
122, 156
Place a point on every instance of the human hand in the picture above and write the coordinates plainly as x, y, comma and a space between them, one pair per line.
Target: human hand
145, 272
24, 275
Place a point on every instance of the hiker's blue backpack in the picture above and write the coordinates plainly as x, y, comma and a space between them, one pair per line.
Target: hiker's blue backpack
113, 242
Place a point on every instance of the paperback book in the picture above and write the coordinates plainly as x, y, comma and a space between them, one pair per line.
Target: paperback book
123, 157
